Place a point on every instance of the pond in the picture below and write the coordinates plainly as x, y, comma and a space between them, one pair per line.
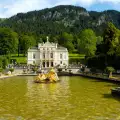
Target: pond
74, 98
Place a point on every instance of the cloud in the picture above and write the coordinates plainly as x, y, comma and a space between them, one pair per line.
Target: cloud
23, 6
112, 1
74, 2
12, 7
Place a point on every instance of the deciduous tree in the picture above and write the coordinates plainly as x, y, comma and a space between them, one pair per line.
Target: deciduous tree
87, 42
26, 42
8, 41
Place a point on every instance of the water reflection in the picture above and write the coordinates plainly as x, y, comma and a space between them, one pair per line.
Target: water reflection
49, 99
12, 97
74, 98
92, 100
48, 89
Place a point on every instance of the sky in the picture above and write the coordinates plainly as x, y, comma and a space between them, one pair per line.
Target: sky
9, 8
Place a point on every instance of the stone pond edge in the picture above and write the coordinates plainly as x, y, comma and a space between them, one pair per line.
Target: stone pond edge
68, 74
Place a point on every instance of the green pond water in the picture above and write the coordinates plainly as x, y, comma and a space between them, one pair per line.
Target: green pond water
74, 98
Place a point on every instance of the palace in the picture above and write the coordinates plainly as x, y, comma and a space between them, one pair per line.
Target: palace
48, 55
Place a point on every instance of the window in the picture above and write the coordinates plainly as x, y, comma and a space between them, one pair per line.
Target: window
47, 64
43, 64
60, 56
43, 55
34, 56
60, 62
51, 55
51, 64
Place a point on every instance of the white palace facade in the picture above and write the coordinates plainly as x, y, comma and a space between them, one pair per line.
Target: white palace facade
48, 55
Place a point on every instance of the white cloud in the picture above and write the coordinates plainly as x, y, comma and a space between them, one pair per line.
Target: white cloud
74, 2
12, 7
23, 6
112, 1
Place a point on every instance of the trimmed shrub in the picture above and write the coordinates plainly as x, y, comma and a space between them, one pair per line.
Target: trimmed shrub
59, 69
109, 70
11, 70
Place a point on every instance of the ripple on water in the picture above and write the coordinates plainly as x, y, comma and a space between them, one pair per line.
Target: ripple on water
74, 98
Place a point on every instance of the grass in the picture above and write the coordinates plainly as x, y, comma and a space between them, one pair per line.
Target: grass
76, 56
20, 59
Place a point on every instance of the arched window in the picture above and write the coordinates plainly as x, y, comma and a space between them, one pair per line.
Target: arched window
47, 64
51, 64
34, 55
61, 56
51, 55
43, 64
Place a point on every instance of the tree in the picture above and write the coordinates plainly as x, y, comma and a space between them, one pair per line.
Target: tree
87, 42
26, 42
110, 39
4, 62
54, 38
11, 70
1, 62
118, 46
8, 41
66, 40
75, 41
110, 45
99, 40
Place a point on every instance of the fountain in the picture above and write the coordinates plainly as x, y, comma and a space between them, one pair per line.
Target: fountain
50, 77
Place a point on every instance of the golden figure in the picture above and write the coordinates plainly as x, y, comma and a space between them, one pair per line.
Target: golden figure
51, 76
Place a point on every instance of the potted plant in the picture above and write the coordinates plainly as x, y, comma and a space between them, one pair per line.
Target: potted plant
110, 70
11, 70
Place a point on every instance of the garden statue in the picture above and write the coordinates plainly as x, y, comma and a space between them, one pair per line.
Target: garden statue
50, 77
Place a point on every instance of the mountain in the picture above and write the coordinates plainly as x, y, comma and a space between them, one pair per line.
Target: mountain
63, 18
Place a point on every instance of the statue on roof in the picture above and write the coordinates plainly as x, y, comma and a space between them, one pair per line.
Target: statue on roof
47, 39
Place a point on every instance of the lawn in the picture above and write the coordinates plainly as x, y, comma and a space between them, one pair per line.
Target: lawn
20, 59
75, 56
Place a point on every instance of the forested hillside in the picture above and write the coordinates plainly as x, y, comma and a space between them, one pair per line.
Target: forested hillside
70, 26
64, 18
